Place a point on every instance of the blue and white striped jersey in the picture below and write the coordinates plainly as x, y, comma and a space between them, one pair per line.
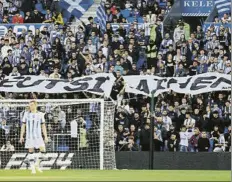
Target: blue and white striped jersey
33, 123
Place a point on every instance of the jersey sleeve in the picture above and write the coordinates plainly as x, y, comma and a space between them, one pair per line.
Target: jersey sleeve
25, 118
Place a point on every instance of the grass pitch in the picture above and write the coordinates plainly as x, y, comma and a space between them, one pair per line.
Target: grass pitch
116, 175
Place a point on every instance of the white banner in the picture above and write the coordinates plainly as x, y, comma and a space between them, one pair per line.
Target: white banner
193, 85
17, 28
100, 84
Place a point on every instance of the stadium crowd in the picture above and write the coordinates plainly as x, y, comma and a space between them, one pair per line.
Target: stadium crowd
182, 122
34, 11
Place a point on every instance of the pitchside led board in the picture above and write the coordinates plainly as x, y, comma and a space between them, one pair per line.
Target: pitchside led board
196, 7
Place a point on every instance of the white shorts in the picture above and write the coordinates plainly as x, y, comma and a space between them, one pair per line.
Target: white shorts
34, 143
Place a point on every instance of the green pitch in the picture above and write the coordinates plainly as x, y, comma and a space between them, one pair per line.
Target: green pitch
115, 175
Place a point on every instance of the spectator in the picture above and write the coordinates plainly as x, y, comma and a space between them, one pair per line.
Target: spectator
57, 112
180, 71
144, 138
226, 18
120, 137
173, 144
8, 147
134, 133
184, 139
227, 137
203, 142
55, 74
216, 121
14, 72
23, 68
193, 141
77, 126
11, 9
189, 122
57, 18
17, 19
5, 48
167, 121
178, 32
135, 13
219, 143
28, 17
131, 145
157, 139
56, 125
37, 17
48, 16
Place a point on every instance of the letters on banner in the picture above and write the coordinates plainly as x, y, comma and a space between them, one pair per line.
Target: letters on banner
17, 28
193, 85
196, 7
101, 84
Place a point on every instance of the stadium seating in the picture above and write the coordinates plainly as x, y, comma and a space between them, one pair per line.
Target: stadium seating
22, 13
125, 13
131, 19
39, 7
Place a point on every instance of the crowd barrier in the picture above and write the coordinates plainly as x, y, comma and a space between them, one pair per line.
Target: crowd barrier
216, 26
174, 160
18, 28
126, 160
115, 26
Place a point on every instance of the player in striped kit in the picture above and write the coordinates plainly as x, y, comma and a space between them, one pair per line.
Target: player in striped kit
34, 125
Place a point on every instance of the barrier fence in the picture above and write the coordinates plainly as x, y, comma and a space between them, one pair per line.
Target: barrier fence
18, 28
125, 160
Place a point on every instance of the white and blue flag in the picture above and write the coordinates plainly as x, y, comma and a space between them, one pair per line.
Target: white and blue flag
223, 6
101, 16
75, 8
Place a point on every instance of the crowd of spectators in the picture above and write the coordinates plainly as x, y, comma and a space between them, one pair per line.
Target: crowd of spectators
182, 122
33, 11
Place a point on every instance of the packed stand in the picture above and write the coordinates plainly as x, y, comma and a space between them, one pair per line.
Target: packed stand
32, 11
182, 123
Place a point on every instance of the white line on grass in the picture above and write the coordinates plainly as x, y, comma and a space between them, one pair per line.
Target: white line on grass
38, 178
56, 178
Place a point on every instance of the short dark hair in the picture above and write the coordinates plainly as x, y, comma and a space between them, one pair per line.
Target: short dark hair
90, 18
